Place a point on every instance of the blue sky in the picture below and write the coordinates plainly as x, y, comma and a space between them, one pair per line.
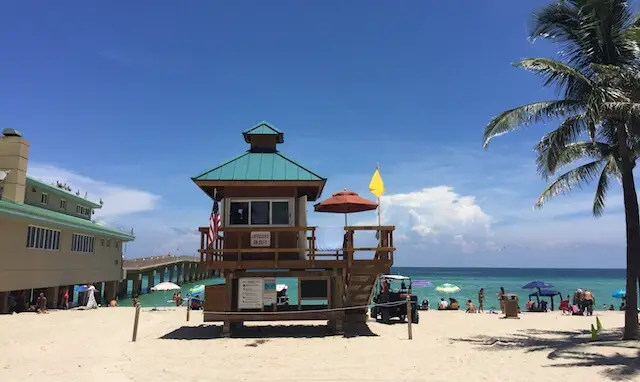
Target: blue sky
128, 100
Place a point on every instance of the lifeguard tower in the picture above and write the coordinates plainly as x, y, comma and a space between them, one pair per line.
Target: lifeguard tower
263, 198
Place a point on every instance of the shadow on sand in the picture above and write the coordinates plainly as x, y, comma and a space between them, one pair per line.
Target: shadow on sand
572, 348
207, 332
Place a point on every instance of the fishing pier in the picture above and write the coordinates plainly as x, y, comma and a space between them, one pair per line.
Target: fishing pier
176, 269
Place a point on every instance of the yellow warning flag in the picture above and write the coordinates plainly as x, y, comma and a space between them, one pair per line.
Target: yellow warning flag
377, 185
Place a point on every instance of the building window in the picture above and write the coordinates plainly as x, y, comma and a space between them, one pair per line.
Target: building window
82, 243
63, 204
260, 212
102, 242
44, 198
108, 243
43, 238
82, 210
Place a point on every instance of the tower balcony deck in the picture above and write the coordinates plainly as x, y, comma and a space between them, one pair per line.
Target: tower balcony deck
293, 248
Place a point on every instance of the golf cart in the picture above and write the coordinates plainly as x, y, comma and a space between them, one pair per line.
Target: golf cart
399, 287
282, 298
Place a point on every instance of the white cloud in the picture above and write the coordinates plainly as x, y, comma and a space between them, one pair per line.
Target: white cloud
436, 215
436, 210
118, 200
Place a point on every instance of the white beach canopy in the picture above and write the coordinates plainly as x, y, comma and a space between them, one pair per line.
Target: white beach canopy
166, 286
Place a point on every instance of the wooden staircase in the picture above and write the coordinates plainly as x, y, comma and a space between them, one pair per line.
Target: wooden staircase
361, 279
361, 275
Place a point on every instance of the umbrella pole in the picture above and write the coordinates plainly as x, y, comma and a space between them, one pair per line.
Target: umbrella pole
345, 220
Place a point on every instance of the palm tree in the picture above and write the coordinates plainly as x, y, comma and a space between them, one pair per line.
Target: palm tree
594, 34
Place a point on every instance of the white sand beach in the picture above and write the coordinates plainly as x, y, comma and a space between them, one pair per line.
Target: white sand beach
447, 346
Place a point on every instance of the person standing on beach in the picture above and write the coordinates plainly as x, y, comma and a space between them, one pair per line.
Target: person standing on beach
64, 303
91, 300
481, 300
501, 298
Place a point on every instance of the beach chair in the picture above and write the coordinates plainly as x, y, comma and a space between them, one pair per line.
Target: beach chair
511, 309
564, 307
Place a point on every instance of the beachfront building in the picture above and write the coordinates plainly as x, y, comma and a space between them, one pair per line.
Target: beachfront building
264, 234
48, 241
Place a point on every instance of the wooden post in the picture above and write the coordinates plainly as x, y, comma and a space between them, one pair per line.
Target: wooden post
276, 245
188, 307
135, 324
409, 317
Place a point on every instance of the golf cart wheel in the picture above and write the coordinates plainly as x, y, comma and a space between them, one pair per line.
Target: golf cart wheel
374, 313
385, 316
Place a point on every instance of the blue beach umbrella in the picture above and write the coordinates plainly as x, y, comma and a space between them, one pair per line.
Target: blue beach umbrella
537, 285
622, 293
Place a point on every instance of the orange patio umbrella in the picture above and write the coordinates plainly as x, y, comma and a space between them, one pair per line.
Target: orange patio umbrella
345, 202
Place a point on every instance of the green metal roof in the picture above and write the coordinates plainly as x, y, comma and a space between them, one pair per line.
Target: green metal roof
263, 128
61, 192
29, 212
270, 166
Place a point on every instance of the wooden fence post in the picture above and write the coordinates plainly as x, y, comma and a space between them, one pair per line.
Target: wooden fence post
409, 317
135, 324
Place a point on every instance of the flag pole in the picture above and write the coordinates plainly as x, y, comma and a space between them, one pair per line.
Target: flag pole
379, 212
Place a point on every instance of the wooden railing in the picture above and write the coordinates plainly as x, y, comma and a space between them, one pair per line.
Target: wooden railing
341, 257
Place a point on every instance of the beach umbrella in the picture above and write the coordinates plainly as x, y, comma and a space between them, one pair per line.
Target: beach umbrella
166, 286
345, 202
447, 288
537, 285
421, 283
622, 293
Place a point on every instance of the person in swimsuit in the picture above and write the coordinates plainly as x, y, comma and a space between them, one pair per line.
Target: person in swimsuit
501, 298
481, 300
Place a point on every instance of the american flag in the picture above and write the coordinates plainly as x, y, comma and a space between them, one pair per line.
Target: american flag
214, 224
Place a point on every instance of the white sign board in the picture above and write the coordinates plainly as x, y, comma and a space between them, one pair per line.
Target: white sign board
261, 239
269, 295
250, 293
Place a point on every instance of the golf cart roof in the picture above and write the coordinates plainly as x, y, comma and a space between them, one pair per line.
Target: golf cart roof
395, 277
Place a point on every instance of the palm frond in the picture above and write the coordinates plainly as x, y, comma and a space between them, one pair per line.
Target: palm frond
552, 144
621, 110
601, 193
590, 31
552, 159
528, 114
574, 83
571, 179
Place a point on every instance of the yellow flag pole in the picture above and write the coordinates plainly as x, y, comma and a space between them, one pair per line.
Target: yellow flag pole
379, 213
376, 186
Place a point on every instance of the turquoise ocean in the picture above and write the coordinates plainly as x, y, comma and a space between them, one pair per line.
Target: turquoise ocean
602, 282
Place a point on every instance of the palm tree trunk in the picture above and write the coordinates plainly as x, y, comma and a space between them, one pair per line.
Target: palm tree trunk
632, 218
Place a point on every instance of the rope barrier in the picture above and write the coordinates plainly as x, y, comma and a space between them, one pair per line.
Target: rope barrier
387, 304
